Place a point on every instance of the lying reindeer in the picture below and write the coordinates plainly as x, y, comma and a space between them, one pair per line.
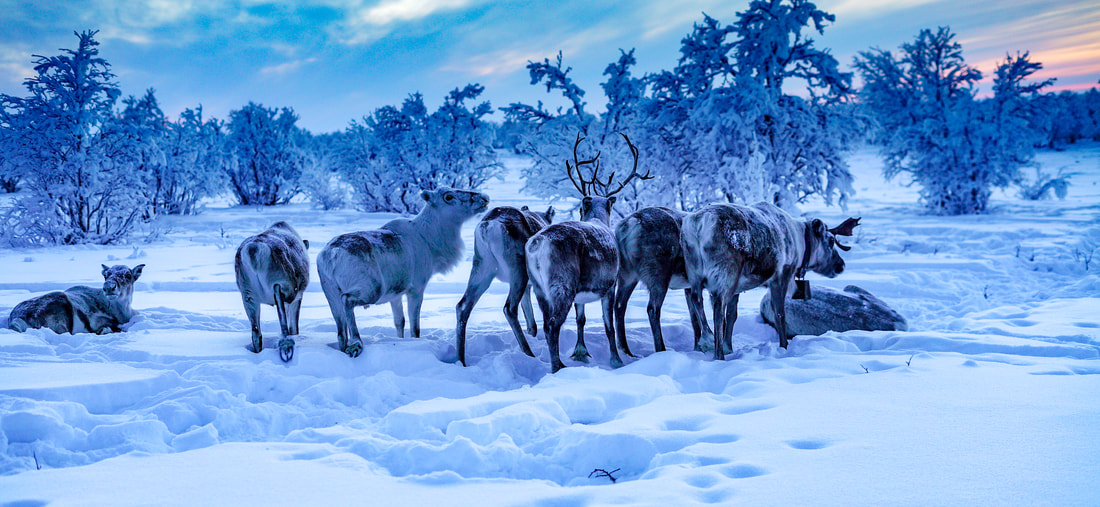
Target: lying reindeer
729, 249
576, 262
273, 269
82, 309
498, 253
374, 267
649, 251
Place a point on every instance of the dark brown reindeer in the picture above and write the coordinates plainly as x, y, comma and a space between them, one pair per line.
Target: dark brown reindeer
498, 254
576, 262
650, 252
82, 309
272, 268
729, 249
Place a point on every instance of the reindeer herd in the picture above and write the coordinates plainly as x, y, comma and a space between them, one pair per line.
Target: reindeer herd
725, 249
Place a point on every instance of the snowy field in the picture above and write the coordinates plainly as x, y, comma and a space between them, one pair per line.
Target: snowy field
992, 397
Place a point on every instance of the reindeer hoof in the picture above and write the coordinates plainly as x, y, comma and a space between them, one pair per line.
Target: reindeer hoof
354, 349
616, 362
556, 367
286, 349
257, 346
581, 355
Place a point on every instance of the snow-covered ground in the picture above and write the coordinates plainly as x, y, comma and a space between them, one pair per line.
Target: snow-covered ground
991, 397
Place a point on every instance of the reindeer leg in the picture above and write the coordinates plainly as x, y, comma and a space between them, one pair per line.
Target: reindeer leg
778, 293
353, 343
728, 322
608, 305
516, 291
286, 343
529, 312
481, 276
553, 318
657, 295
416, 299
336, 306
695, 307
623, 289
294, 311
580, 352
398, 316
720, 323
252, 310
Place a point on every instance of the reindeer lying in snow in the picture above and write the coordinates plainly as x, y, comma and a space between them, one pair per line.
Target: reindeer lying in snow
82, 309
498, 253
576, 262
373, 267
273, 269
729, 249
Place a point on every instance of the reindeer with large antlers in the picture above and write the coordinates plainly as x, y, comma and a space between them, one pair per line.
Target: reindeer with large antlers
729, 249
576, 262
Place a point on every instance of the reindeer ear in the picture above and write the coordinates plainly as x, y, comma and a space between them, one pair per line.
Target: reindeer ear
550, 213
306, 242
137, 270
525, 208
818, 227
105, 269
610, 203
427, 195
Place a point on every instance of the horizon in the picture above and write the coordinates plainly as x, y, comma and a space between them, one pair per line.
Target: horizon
321, 58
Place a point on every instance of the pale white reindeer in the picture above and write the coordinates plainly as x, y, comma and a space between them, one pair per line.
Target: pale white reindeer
729, 249
272, 268
498, 254
650, 252
82, 309
576, 262
380, 266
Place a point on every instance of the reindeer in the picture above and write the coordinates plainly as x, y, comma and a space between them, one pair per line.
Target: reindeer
273, 269
374, 267
729, 249
649, 251
498, 253
82, 309
576, 262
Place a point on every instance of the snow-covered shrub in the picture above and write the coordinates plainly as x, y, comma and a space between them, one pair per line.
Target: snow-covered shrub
956, 147
320, 180
266, 156
394, 153
1044, 184
719, 126
9, 171
195, 162
75, 193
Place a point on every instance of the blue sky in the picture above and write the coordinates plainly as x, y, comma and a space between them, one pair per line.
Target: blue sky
336, 60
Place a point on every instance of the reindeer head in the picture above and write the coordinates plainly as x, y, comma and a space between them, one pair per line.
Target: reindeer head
547, 216
598, 196
119, 280
822, 256
462, 203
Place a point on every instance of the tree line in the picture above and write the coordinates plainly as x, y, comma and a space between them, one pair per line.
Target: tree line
753, 110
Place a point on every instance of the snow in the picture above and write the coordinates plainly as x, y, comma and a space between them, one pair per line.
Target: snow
990, 398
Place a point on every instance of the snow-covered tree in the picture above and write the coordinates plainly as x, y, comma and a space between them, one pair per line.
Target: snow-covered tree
267, 159
9, 170
76, 193
955, 147
195, 163
135, 141
321, 181
393, 154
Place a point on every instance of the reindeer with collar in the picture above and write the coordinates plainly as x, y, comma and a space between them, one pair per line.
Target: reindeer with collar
576, 262
729, 249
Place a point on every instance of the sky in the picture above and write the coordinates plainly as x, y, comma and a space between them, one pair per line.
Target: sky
334, 61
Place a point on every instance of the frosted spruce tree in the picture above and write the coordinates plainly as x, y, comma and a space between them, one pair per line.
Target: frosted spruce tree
76, 193
394, 153
266, 155
956, 147
195, 164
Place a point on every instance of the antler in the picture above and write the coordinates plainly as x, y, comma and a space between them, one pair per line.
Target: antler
845, 228
633, 171
583, 186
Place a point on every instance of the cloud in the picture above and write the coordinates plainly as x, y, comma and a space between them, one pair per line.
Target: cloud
364, 24
15, 65
861, 9
286, 68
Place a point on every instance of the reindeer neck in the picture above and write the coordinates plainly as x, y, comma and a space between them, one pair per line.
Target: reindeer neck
442, 234
807, 240
120, 305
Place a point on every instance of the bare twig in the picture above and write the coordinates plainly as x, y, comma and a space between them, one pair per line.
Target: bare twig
865, 370
599, 472
36, 465
909, 361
